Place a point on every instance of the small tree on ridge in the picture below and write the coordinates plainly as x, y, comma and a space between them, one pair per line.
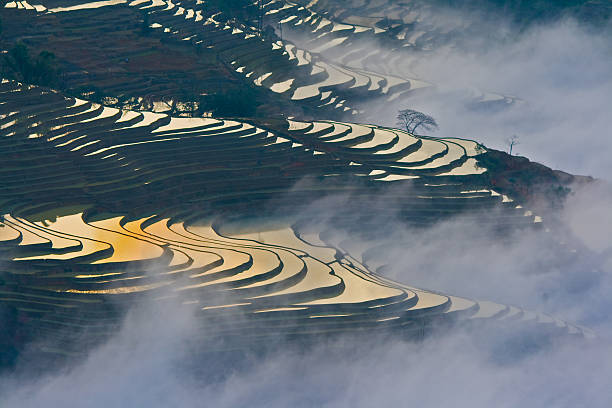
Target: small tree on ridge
411, 120
511, 142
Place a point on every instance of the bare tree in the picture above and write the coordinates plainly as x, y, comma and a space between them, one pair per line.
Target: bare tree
411, 120
511, 142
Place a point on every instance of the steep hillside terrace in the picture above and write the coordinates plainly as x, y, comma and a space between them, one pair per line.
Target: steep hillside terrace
380, 37
105, 209
112, 55
332, 70
273, 63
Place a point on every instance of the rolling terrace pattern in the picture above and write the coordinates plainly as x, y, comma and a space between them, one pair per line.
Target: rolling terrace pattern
339, 60
104, 209
377, 39
91, 44
278, 65
295, 75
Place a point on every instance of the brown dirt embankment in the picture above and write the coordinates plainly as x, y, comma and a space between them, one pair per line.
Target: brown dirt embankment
529, 182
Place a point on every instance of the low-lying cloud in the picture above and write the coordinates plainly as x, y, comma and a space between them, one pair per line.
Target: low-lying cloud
155, 359
473, 369
561, 75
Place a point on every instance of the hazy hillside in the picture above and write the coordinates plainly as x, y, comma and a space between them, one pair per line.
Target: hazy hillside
526, 13
305, 203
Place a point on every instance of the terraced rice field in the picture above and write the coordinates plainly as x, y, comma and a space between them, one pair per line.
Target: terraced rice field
108, 51
188, 49
278, 65
374, 39
105, 209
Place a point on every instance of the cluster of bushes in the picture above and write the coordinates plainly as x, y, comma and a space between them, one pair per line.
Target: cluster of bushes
244, 10
19, 65
241, 102
237, 102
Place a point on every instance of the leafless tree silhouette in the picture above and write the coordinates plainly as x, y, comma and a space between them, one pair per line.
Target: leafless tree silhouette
511, 142
411, 120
